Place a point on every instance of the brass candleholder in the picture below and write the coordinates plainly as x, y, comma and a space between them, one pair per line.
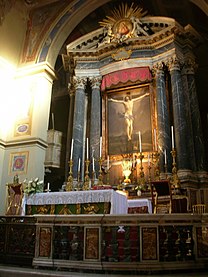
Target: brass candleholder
175, 182
100, 176
69, 184
149, 175
86, 185
156, 157
141, 180
93, 178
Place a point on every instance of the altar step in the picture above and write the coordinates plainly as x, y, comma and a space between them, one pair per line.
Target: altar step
6, 271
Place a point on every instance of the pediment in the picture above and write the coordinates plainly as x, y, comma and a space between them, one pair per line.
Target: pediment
147, 30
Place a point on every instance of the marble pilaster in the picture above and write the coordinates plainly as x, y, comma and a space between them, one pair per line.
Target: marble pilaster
78, 122
163, 121
179, 115
95, 124
199, 150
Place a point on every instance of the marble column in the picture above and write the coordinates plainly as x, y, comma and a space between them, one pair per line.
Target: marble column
79, 122
199, 150
69, 130
163, 121
179, 115
95, 124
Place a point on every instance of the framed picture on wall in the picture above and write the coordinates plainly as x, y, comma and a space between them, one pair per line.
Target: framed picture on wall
128, 113
18, 162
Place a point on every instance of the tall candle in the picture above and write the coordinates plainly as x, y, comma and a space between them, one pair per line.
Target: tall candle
93, 164
79, 165
172, 135
100, 147
155, 139
87, 149
165, 154
140, 142
72, 145
48, 186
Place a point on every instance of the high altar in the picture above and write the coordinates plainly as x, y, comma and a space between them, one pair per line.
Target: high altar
129, 85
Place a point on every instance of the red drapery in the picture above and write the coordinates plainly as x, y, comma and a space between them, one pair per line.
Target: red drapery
131, 74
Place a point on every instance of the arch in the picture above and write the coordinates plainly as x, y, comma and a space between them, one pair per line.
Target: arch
64, 26
69, 20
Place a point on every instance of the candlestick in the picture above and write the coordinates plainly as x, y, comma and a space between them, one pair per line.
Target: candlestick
87, 149
140, 142
172, 135
148, 159
72, 146
100, 147
155, 138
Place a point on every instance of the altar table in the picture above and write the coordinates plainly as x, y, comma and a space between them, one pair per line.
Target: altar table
89, 198
140, 205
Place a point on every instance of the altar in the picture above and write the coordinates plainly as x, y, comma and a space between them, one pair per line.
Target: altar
105, 201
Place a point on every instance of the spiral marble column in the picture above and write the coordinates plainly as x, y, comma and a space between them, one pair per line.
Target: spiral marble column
95, 124
79, 122
163, 121
179, 115
199, 150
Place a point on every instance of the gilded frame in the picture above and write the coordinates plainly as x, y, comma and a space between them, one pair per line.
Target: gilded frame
92, 243
18, 162
117, 140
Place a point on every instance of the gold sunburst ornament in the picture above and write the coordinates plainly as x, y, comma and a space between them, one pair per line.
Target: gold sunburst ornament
124, 23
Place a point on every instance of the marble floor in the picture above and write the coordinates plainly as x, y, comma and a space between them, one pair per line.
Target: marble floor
6, 271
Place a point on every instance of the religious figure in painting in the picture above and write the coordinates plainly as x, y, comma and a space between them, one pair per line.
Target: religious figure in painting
128, 103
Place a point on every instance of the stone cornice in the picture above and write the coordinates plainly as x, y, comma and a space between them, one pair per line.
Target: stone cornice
24, 143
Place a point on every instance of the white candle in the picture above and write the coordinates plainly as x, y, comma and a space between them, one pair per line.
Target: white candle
93, 164
48, 186
140, 142
87, 149
172, 135
72, 145
165, 154
100, 147
108, 162
155, 137
79, 165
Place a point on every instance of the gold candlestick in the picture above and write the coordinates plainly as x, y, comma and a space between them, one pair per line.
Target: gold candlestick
78, 180
93, 178
156, 157
69, 184
141, 180
87, 178
100, 176
174, 179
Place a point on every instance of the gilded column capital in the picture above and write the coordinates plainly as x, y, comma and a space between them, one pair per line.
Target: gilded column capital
189, 67
95, 82
173, 63
79, 82
158, 69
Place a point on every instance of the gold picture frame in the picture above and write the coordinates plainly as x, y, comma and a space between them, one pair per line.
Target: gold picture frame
18, 162
92, 243
118, 116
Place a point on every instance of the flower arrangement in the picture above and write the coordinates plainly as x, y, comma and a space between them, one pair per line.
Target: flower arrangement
33, 186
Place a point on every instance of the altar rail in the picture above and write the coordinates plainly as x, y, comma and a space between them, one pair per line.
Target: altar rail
106, 243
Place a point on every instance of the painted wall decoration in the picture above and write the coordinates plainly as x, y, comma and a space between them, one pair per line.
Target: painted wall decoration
18, 163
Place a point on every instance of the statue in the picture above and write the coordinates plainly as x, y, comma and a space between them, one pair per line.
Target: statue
128, 114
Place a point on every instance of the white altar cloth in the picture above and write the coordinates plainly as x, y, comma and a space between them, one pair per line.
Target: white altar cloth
118, 201
140, 203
